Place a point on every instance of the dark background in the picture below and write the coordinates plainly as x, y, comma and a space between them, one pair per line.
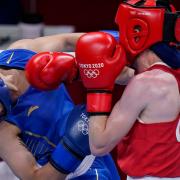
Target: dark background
83, 14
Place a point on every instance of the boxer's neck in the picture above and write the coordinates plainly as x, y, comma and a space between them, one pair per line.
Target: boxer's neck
146, 60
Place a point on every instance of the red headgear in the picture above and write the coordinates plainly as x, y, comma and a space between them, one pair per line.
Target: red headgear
144, 23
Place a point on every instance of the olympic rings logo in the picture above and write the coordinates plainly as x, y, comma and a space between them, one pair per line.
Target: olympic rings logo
91, 73
83, 127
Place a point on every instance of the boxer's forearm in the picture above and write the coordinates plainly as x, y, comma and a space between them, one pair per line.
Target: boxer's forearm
98, 136
58, 42
47, 172
70, 41
105, 132
20, 160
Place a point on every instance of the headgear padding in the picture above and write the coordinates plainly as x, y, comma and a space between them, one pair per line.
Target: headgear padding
143, 23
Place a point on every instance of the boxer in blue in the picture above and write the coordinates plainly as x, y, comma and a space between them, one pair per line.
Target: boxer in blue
39, 132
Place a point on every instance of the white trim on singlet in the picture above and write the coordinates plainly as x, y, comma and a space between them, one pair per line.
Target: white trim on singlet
97, 175
151, 178
82, 168
140, 120
178, 131
159, 63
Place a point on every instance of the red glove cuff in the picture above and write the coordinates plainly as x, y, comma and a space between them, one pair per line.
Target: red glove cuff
99, 103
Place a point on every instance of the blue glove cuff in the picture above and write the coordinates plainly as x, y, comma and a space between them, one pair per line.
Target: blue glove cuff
64, 160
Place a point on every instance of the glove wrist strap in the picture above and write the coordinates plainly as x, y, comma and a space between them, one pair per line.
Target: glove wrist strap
63, 160
99, 102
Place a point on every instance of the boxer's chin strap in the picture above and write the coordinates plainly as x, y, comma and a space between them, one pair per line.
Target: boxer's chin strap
5, 98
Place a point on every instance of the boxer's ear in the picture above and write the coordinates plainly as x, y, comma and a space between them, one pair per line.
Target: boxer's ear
8, 80
11, 86
2, 110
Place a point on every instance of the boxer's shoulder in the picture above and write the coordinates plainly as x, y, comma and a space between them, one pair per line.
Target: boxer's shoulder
155, 75
154, 83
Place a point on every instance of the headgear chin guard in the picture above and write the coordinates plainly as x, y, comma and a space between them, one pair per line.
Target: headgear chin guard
5, 98
143, 23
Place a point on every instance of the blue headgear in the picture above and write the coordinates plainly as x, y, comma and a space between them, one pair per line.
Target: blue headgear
168, 54
15, 58
114, 33
5, 97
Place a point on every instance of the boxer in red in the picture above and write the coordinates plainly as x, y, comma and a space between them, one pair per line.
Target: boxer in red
146, 119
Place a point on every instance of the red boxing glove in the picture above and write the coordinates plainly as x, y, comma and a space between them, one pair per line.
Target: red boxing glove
45, 71
100, 60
